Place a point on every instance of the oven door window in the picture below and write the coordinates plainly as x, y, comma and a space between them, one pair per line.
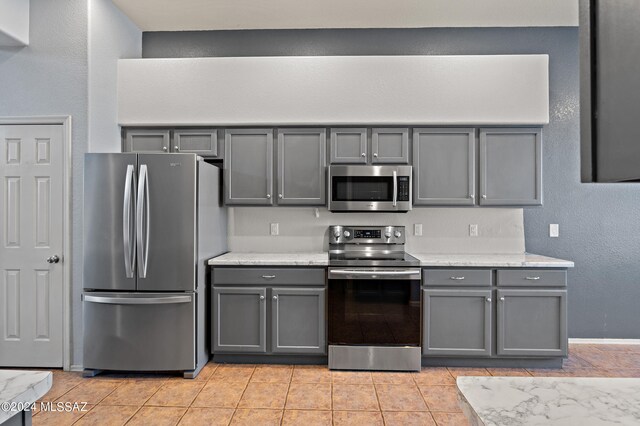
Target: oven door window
374, 312
362, 188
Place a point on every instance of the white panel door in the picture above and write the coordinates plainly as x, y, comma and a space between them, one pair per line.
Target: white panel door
31, 210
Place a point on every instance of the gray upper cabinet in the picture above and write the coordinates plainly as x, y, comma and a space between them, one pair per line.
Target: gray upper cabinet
240, 319
532, 323
457, 322
390, 145
301, 167
444, 166
298, 320
349, 146
511, 166
248, 166
203, 142
147, 140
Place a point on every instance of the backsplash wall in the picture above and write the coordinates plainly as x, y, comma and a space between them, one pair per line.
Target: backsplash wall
444, 230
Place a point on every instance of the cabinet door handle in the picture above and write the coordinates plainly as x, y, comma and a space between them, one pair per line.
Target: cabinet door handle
261, 297
488, 299
532, 278
268, 277
275, 297
375, 155
456, 278
176, 148
165, 149
502, 299
363, 155
484, 196
280, 196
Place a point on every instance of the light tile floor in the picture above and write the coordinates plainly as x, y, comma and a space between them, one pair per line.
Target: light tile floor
298, 395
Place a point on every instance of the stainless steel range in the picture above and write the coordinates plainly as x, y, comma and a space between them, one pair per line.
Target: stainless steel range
374, 300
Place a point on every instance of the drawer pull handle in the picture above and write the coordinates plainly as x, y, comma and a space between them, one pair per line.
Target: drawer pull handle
532, 278
268, 277
456, 278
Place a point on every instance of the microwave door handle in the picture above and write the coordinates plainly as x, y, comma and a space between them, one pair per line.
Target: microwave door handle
395, 188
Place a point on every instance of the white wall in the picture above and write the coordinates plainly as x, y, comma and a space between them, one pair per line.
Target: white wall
112, 36
300, 90
445, 230
171, 15
14, 22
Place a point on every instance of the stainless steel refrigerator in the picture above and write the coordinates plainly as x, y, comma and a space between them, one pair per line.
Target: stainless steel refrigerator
151, 221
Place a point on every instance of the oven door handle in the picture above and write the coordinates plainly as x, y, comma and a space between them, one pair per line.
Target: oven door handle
375, 274
395, 188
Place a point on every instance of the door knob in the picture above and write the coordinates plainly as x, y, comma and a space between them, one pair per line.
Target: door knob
53, 259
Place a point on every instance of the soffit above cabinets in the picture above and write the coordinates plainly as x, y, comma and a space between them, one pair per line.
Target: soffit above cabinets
185, 15
311, 90
14, 22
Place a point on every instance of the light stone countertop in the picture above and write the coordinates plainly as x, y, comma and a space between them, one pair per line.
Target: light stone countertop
550, 401
524, 260
22, 387
271, 259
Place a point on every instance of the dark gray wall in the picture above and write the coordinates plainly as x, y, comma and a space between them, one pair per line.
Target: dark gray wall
599, 223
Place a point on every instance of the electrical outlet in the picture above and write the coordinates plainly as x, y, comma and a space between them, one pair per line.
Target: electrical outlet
417, 229
554, 230
275, 229
473, 230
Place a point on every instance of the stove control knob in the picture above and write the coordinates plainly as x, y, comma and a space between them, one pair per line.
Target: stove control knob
387, 234
346, 234
337, 234
397, 234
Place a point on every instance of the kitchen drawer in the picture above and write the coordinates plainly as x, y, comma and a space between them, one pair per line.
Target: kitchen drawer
532, 278
269, 276
457, 277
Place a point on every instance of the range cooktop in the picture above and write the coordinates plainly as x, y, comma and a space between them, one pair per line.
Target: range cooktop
368, 246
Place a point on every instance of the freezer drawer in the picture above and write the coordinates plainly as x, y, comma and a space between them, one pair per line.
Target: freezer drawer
139, 331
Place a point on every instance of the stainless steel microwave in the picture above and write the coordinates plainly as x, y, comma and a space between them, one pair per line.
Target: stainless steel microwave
370, 188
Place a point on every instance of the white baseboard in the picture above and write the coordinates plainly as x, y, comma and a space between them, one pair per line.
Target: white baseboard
76, 368
604, 341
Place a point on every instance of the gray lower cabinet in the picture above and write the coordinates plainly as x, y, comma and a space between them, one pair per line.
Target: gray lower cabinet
348, 145
240, 322
456, 322
146, 140
301, 170
298, 320
532, 322
444, 164
390, 145
511, 166
203, 142
248, 167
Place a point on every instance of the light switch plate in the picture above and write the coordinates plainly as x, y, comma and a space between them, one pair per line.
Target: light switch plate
417, 229
473, 230
554, 230
275, 228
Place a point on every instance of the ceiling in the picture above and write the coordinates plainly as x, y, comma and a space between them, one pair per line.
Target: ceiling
184, 15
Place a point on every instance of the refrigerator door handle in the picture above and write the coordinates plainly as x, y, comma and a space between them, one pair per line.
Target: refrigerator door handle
129, 205
137, 300
142, 221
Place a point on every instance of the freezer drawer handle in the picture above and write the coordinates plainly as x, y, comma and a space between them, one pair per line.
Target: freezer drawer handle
532, 278
137, 300
456, 278
268, 277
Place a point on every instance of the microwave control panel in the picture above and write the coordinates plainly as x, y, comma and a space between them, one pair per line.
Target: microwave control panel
403, 188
